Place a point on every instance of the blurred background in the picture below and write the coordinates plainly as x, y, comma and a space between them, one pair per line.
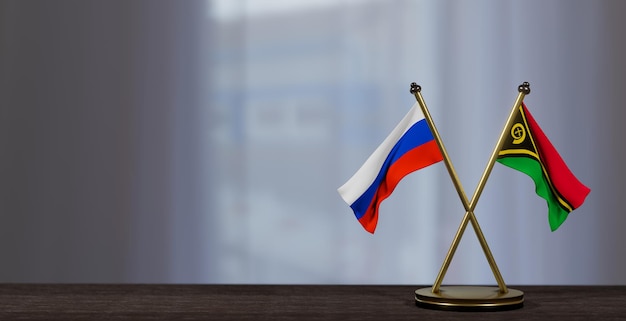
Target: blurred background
203, 141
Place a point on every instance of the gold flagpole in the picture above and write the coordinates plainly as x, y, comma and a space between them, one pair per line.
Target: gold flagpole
524, 89
469, 209
416, 90
480, 298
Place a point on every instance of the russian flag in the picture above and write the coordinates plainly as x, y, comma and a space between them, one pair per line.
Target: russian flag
409, 147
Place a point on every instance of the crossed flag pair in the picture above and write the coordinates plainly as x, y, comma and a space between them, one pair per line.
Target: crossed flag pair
415, 143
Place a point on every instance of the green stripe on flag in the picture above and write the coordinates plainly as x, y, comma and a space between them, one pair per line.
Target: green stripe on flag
532, 168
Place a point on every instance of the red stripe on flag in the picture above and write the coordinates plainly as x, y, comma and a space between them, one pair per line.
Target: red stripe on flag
413, 160
567, 185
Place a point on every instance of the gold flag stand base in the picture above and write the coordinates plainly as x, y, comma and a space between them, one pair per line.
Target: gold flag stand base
469, 298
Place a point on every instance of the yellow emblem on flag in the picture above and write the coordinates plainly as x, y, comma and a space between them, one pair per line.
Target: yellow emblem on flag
519, 133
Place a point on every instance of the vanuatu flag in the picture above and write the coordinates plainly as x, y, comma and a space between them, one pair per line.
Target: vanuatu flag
527, 149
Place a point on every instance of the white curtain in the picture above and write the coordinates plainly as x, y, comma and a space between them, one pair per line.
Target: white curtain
305, 93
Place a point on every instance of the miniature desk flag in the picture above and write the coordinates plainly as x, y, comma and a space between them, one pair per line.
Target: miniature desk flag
409, 147
528, 150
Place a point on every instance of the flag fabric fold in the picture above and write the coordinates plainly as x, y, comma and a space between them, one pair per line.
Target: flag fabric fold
528, 150
408, 148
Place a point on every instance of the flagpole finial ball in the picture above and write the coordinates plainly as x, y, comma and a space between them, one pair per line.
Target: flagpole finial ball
524, 88
415, 88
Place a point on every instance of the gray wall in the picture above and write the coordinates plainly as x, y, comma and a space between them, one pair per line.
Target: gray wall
100, 116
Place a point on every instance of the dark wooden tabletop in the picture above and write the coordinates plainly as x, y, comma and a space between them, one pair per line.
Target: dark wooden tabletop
286, 302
